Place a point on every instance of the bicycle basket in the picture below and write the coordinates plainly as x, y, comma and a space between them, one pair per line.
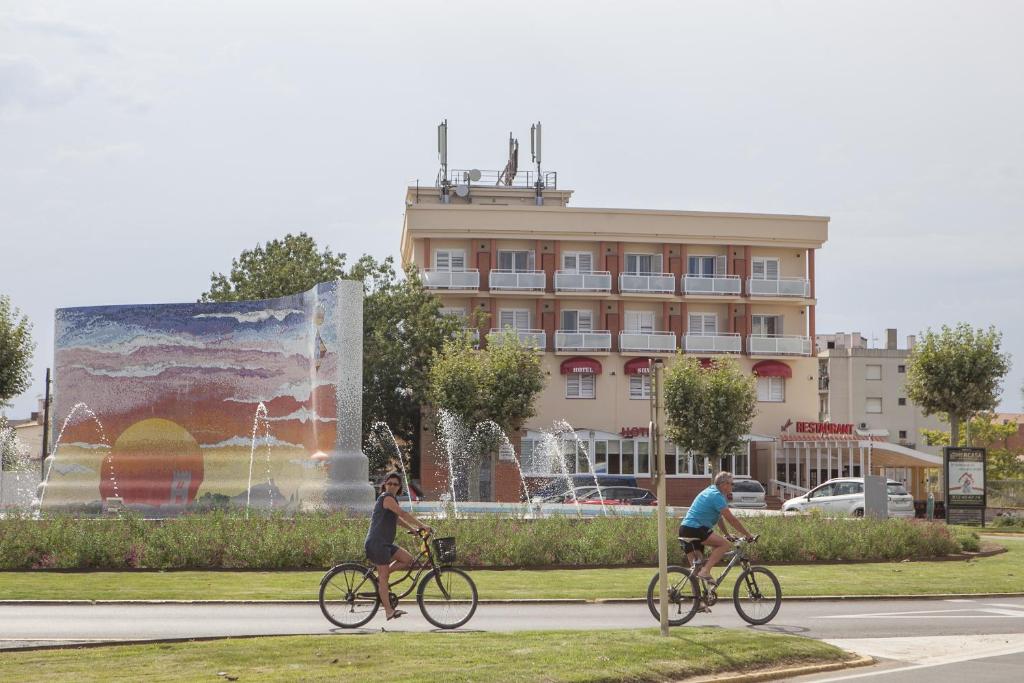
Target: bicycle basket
444, 550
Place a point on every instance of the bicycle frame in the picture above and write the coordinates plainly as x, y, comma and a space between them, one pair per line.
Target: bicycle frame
418, 565
739, 557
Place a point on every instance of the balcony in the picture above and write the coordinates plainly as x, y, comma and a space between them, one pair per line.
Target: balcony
569, 340
451, 279
571, 281
718, 285
778, 346
784, 286
647, 283
654, 342
712, 343
512, 281
535, 338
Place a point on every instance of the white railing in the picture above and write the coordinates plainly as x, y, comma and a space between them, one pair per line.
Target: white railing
647, 283
715, 284
784, 286
535, 338
785, 490
598, 340
661, 342
712, 343
779, 346
571, 281
531, 280
451, 279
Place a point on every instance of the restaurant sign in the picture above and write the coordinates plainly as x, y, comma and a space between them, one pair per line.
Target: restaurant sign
824, 428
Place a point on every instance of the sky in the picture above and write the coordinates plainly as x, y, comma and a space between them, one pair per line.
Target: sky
143, 145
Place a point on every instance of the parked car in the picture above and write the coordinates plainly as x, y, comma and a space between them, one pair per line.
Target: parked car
747, 493
565, 496
620, 495
845, 496
551, 486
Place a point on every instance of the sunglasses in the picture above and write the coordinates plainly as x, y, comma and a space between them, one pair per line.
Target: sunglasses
391, 483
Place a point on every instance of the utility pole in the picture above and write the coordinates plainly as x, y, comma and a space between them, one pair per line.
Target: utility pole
657, 368
46, 427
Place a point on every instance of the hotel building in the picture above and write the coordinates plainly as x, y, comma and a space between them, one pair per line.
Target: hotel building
600, 291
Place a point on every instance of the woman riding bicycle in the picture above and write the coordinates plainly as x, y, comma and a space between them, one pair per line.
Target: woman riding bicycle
380, 539
710, 507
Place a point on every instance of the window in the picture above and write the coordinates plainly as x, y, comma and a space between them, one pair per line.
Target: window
703, 324
640, 321
580, 385
577, 321
516, 318
903, 433
764, 268
451, 260
901, 369
639, 387
457, 311
643, 264
771, 389
766, 325
516, 261
873, 405
873, 372
685, 464
705, 266
902, 401
578, 261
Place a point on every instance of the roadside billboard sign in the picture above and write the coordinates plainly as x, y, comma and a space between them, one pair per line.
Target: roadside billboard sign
965, 485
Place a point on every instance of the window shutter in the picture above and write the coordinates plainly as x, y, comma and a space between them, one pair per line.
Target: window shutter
656, 264
458, 260
696, 325
531, 260
572, 386
632, 321
721, 266
506, 319
757, 269
570, 262
586, 263
522, 320
585, 321
771, 269
587, 386
711, 325
778, 388
636, 387
763, 390
646, 321
442, 261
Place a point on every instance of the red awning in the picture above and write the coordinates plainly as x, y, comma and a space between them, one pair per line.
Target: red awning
638, 366
772, 368
581, 365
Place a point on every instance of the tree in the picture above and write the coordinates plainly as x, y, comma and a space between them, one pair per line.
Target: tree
499, 385
286, 266
986, 432
958, 372
16, 347
709, 408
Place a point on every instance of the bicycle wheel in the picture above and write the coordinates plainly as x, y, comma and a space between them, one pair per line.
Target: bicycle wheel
348, 595
683, 596
447, 597
757, 595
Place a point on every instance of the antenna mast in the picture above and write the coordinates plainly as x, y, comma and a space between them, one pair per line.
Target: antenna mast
535, 154
442, 156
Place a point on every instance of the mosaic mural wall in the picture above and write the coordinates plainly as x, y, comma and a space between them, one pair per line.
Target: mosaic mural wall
176, 406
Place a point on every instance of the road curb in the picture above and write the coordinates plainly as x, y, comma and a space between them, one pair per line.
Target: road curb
775, 674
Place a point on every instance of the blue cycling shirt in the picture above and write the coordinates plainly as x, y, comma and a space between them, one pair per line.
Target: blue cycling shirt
706, 508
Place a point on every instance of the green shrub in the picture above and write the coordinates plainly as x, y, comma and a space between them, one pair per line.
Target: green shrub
229, 540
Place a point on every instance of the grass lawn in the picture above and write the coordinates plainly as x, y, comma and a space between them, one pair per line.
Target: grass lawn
1002, 573
635, 655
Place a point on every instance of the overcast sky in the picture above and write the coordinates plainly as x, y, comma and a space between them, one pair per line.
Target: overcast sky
143, 145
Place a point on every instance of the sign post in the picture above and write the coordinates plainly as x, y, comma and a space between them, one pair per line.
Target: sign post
657, 406
965, 485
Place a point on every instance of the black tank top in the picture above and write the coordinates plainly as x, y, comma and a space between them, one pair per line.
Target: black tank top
383, 523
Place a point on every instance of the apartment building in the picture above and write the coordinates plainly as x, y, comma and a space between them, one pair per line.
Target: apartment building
599, 291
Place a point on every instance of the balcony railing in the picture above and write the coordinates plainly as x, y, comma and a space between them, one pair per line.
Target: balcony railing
535, 338
528, 281
571, 281
712, 343
778, 346
647, 283
723, 285
658, 342
451, 279
784, 286
568, 340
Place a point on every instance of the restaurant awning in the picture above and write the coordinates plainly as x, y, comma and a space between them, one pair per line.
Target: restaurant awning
772, 368
581, 365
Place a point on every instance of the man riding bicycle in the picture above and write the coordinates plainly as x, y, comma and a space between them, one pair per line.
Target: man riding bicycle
710, 507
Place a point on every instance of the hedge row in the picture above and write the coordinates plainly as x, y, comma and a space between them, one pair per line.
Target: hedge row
225, 540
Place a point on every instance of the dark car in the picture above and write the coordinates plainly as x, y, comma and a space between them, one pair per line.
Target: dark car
413, 494
545, 487
621, 495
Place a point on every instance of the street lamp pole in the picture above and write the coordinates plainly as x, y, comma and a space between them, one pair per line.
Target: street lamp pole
657, 368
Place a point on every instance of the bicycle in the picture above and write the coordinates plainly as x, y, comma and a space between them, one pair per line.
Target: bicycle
447, 596
757, 594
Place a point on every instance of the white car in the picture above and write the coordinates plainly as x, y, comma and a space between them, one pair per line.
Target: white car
845, 496
747, 493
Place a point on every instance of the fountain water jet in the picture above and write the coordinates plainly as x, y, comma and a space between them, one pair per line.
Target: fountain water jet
52, 457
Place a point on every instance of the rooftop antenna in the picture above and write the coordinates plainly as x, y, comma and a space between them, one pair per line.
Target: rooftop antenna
512, 167
535, 155
442, 156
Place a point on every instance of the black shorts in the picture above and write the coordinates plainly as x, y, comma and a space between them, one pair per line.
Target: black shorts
700, 533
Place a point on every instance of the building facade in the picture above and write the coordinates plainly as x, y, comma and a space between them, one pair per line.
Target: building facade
598, 292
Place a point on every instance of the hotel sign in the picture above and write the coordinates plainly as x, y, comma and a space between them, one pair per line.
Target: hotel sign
633, 432
824, 428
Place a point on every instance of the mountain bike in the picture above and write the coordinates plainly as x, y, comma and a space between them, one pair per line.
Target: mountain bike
757, 594
447, 596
